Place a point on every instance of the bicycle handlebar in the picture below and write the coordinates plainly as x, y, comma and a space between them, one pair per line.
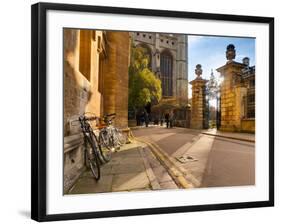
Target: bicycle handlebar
85, 118
91, 118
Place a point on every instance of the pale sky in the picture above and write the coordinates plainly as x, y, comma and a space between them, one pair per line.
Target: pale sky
209, 51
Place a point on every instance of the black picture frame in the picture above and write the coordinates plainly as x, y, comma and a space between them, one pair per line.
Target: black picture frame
39, 108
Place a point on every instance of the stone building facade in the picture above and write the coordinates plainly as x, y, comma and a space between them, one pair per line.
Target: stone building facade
237, 94
95, 80
168, 60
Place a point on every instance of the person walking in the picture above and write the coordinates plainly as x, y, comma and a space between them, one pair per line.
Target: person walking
146, 119
142, 120
161, 120
138, 118
172, 120
167, 119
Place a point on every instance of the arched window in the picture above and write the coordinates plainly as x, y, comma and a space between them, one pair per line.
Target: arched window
166, 69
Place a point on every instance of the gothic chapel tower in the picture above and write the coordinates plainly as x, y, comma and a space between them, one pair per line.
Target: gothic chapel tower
168, 60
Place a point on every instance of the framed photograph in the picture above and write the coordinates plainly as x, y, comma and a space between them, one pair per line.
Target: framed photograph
139, 111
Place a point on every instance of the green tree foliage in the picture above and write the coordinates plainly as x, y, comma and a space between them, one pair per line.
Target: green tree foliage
144, 86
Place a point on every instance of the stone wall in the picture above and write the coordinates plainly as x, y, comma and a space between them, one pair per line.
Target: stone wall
80, 95
237, 80
95, 80
232, 94
80, 90
116, 77
73, 160
248, 125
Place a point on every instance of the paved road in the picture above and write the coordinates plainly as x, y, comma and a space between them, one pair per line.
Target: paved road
230, 163
220, 161
168, 139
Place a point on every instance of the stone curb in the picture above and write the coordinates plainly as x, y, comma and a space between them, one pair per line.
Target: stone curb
152, 178
230, 137
177, 173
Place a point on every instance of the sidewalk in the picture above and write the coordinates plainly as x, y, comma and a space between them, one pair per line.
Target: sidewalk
132, 168
232, 135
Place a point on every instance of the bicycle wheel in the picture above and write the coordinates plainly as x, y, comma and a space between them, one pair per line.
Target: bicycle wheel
105, 145
121, 138
92, 158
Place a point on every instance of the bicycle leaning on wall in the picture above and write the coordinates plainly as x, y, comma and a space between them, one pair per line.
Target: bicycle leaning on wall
99, 145
110, 137
92, 150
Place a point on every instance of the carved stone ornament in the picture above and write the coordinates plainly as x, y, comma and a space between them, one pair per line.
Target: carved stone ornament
198, 71
230, 52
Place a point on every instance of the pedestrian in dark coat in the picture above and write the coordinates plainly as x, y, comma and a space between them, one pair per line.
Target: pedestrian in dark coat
146, 119
172, 120
138, 119
167, 119
161, 120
